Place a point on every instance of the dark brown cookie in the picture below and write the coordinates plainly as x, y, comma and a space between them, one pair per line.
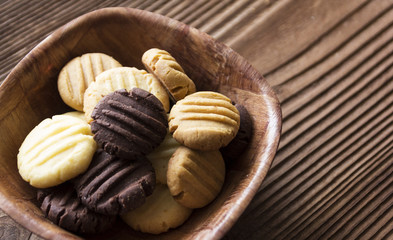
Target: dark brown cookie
243, 137
129, 124
114, 185
62, 206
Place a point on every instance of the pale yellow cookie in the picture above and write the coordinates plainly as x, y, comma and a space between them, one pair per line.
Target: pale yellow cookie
195, 177
77, 75
122, 78
204, 121
56, 150
169, 72
77, 114
161, 155
158, 214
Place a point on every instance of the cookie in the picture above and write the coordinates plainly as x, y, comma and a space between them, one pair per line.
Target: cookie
243, 137
77, 114
195, 177
56, 150
129, 124
122, 78
204, 121
113, 185
159, 214
62, 206
169, 72
161, 155
76, 76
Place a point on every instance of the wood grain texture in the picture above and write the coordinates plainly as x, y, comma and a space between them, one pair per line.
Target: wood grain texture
9, 229
330, 64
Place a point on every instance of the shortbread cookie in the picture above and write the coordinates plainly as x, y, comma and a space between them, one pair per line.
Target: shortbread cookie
161, 155
79, 73
114, 185
62, 206
169, 72
55, 151
129, 124
122, 78
195, 177
159, 214
204, 121
77, 114
243, 137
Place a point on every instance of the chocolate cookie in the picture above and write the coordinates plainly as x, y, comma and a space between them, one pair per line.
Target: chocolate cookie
122, 78
243, 137
62, 206
129, 124
114, 185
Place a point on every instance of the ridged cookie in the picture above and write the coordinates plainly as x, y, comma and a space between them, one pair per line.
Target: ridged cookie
77, 75
63, 207
122, 78
129, 124
55, 151
77, 114
195, 177
169, 72
161, 155
113, 185
204, 121
160, 213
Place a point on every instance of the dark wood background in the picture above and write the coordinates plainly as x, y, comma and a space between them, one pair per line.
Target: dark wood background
330, 64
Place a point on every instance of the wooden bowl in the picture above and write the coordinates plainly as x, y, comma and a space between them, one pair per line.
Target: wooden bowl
29, 94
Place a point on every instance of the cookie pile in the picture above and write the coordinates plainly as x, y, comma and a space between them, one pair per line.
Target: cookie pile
142, 145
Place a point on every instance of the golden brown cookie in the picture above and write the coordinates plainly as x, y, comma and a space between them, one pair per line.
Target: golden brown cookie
77, 75
158, 214
169, 72
195, 177
161, 155
122, 78
56, 150
204, 121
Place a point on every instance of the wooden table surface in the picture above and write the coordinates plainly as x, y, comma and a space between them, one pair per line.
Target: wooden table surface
330, 64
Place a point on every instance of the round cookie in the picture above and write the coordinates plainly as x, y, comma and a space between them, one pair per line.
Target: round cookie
77, 75
169, 72
129, 124
195, 177
159, 158
77, 114
204, 121
243, 137
122, 78
160, 213
114, 185
56, 150
62, 206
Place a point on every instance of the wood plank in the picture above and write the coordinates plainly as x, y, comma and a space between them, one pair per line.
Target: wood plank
9, 229
322, 119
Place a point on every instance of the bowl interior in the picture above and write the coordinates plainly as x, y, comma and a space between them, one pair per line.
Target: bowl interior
29, 94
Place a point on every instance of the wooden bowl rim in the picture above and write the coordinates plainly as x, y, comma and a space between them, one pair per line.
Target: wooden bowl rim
264, 162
